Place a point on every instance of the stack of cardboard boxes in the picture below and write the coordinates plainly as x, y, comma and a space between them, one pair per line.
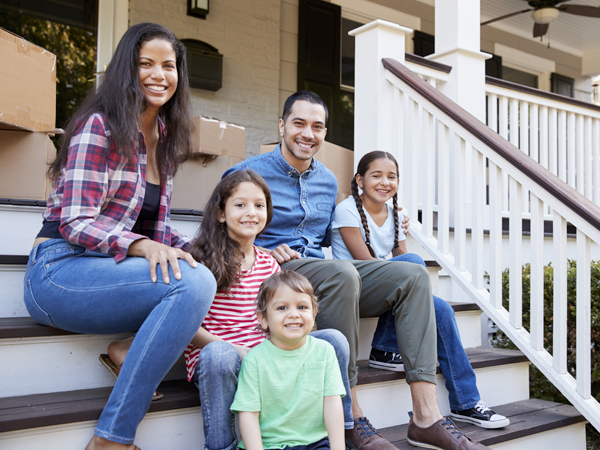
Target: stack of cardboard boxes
27, 115
218, 146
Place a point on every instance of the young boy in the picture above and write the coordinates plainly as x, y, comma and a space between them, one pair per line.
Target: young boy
290, 386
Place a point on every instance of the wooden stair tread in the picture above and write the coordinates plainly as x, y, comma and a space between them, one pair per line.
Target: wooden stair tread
32, 411
479, 357
527, 417
21, 327
41, 410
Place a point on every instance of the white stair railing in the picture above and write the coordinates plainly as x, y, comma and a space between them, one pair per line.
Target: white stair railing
560, 133
458, 161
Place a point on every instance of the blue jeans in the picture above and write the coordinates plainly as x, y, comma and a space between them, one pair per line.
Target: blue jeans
217, 376
454, 364
69, 287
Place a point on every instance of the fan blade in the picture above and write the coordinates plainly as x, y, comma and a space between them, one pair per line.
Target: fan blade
540, 29
506, 16
581, 10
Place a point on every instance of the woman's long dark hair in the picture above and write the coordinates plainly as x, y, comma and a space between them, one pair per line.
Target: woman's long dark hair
121, 99
212, 245
363, 167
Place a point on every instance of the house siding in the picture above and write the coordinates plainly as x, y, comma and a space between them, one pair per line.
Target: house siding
247, 34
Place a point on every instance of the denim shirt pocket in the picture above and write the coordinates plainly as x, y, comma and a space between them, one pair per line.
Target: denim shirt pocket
313, 376
322, 219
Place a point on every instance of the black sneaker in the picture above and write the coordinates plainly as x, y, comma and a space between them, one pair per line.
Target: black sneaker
386, 360
481, 416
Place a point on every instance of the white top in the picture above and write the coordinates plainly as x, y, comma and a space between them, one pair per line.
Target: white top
382, 238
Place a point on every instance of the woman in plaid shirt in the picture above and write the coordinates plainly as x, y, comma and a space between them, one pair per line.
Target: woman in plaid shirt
93, 268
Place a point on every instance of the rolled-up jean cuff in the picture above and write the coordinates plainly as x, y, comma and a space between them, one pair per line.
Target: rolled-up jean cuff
353, 380
110, 437
418, 375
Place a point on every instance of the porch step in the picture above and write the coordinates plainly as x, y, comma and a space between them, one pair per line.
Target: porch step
25, 346
66, 421
553, 425
49, 409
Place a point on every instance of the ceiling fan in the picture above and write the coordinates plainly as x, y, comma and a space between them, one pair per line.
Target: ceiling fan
545, 11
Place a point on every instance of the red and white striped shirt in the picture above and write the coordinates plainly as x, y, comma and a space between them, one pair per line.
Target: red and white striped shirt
232, 316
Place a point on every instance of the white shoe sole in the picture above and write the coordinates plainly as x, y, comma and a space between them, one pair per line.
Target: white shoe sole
386, 366
481, 423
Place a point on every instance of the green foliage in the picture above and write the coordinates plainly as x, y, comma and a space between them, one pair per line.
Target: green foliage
76, 57
539, 386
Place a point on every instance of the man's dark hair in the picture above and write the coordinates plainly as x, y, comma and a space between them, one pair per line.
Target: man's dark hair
308, 96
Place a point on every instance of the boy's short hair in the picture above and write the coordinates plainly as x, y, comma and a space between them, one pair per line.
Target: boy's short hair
295, 281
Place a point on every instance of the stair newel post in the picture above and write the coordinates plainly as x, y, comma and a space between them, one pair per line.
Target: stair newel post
375, 124
457, 42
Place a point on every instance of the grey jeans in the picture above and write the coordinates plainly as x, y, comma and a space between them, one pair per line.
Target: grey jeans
349, 290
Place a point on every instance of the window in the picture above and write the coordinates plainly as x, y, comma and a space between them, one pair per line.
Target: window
67, 28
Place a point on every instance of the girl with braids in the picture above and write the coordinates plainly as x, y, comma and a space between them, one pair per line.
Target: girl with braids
367, 227
93, 267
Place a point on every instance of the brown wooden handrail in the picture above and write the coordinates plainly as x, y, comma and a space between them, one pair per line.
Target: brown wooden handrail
558, 188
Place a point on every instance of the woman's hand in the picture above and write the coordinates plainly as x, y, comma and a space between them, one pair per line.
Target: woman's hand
162, 254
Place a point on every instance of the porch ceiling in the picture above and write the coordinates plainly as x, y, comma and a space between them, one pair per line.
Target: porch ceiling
575, 34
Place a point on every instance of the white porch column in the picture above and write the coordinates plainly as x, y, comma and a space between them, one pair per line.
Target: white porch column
457, 43
373, 127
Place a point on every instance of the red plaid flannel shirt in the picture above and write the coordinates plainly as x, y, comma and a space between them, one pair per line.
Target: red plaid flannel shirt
100, 193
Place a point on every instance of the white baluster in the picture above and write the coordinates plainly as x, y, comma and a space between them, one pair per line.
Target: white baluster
459, 180
429, 173
588, 161
584, 316
515, 285
537, 274
571, 150
477, 201
496, 267
562, 145
443, 189
596, 157
534, 132
559, 318
544, 134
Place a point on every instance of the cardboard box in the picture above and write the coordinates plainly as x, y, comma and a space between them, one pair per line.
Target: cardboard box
196, 180
338, 159
24, 158
218, 138
27, 85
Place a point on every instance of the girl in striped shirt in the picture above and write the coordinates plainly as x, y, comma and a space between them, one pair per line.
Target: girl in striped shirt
238, 210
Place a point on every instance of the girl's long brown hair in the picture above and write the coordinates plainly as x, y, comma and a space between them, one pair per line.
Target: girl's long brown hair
212, 245
363, 167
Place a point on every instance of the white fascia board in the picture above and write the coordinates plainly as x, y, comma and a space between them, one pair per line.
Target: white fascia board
364, 11
522, 60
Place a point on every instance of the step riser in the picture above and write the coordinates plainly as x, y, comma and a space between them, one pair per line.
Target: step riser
56, 364
394, 410
39, 365
565, 438
11, 291
19, 225
469, 326
183, 431
179, 430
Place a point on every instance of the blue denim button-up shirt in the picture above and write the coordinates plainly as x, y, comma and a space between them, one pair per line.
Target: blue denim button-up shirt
303, 203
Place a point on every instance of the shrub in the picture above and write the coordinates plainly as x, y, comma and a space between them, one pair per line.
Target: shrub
539, 386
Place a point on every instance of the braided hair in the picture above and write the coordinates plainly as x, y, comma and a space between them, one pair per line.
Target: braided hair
363, 167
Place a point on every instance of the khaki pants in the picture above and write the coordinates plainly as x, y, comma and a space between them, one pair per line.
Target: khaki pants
348, 290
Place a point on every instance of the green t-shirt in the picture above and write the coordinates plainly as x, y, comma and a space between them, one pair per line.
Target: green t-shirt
287, 388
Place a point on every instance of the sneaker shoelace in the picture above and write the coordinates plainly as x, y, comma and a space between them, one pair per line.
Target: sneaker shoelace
452, 428
481, 408
395, 356
365, 429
